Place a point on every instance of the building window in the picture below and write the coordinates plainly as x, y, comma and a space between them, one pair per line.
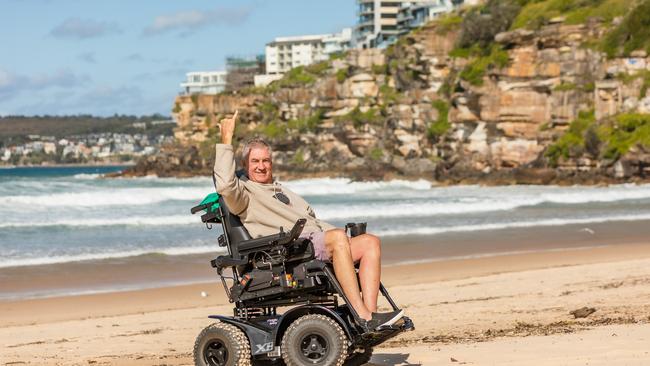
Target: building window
390, 4
388, 16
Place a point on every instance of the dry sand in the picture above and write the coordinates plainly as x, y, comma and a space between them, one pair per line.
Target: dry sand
501, 310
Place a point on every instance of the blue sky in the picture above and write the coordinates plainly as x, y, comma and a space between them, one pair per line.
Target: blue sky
62, 57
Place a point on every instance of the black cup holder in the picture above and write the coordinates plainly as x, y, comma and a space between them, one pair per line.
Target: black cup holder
355, 229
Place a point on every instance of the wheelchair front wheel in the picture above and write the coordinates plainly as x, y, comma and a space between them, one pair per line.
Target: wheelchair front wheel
222, 344
315, 340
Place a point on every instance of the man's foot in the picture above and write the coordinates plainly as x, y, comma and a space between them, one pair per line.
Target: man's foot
381, 320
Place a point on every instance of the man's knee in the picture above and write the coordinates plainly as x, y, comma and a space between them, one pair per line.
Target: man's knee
336, 240
373, 244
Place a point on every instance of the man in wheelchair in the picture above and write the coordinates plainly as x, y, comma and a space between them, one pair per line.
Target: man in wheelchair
264, 206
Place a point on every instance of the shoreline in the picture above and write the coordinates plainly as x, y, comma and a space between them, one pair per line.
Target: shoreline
149, 271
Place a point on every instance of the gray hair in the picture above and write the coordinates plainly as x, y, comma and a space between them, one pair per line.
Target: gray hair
249, 145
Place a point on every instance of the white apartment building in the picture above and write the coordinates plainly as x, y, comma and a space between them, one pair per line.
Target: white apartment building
204, 82
285, 53
381, 22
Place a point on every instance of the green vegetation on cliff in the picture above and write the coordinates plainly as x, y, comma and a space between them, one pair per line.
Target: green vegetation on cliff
476, 41
633, 33
274, 127
358, 118
441, 124
609, 139
572, 143
624, 132
476, 69
534, 13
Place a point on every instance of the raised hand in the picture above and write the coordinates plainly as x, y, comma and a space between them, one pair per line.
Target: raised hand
227, 127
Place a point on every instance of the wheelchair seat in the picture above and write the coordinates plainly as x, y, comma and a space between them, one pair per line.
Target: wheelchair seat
269, 267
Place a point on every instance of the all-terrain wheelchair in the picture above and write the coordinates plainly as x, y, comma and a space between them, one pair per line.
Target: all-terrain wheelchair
264, 274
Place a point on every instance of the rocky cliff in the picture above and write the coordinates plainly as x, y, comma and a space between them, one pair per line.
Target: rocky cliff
528, 106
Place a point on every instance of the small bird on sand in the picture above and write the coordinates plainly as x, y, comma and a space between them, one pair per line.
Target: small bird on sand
588, 230
582, 312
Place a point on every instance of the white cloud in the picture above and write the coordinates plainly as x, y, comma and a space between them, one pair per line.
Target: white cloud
190, 21
76, 28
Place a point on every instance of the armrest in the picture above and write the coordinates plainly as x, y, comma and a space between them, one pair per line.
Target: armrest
281, 238
226, 261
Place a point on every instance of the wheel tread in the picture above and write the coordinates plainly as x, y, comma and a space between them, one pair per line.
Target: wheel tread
341, 335
240, 341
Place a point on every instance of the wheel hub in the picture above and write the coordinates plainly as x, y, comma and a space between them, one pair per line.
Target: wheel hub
216, 354
314, 347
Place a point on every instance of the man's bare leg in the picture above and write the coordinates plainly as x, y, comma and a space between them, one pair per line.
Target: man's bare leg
338, 247
367, 250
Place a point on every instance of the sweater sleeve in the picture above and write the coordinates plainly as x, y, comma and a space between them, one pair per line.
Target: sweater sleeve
227, 185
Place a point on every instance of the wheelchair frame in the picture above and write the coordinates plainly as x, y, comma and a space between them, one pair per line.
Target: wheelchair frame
302, 284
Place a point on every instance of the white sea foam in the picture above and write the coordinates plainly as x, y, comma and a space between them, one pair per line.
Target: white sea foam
339, 186
589, 195
87, 176
122, 221
413, 209
109, 255
508, 225
105, 197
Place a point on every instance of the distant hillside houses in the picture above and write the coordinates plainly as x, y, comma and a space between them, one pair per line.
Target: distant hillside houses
101, 147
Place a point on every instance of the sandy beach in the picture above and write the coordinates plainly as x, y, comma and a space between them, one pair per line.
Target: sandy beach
491, 310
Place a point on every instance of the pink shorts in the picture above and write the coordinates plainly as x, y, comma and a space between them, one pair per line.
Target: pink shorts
318, 239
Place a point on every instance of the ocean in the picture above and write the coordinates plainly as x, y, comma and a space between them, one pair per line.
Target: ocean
70, 214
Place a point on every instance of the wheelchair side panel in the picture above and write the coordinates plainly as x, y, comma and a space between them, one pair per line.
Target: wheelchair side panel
261, 339
287, 318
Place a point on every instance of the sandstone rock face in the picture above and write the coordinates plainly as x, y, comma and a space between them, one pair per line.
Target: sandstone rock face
360, 86
383, 115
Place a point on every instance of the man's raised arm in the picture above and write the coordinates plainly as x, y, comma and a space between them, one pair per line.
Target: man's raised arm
227, 184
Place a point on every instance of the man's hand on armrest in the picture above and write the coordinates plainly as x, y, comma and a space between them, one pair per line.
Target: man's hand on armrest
227, 127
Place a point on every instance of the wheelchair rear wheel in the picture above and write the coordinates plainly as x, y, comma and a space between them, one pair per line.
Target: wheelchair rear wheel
315, 340
222, 344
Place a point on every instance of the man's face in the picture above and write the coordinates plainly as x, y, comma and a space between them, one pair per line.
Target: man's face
260, 166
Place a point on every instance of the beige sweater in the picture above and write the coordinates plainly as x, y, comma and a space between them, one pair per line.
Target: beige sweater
259, 211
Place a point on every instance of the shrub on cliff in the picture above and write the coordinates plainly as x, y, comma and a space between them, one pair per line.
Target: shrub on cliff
441, 124
536, 13
609, 139
624, 132
358, 118
481, 24
476, 69
572, 143
633, 33
298, 77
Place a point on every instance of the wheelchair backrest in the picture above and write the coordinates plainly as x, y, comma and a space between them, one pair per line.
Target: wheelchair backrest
233, 228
